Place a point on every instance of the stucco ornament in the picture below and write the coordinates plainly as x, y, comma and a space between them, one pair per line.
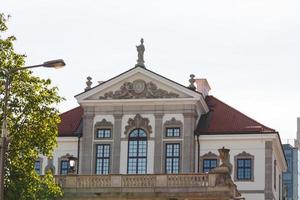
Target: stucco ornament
104, 123
139, 89
138, 122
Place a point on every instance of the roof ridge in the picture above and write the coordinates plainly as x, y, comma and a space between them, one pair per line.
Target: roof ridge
253, 120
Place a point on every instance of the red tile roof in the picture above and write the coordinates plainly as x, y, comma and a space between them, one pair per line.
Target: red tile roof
223, 119
70, 122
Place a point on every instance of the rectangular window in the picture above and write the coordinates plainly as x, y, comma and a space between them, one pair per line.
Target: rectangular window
103, 133
172, 132
209, 164
244, 169
172, 161
37, 166
64, 167
102, 159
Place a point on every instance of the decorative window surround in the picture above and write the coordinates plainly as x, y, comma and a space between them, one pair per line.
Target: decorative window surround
170, 124
65, 158
138, 122
208, 156
243, 155
103, 125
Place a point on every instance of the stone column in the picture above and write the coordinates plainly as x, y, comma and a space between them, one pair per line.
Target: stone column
268, 171
86, 144
188, 154
116, 144
158, 157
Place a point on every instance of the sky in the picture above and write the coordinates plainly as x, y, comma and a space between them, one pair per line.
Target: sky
247, 50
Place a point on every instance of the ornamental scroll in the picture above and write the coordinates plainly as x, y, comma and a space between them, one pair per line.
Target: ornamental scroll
139, 89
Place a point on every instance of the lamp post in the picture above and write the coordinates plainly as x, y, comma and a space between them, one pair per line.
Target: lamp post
8, 73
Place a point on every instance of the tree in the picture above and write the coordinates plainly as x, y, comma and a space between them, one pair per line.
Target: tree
32, 124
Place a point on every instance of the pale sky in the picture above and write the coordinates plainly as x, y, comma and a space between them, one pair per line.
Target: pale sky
247, 49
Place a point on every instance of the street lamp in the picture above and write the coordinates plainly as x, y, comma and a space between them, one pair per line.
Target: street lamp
8, 73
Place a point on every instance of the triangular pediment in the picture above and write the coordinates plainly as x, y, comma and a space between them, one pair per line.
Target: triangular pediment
138, 83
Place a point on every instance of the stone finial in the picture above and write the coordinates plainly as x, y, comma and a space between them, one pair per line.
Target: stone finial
140, 49
88, 83
192, 81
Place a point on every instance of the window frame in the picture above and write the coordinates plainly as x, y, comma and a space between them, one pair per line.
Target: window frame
244, 156
61, 165
172, 157
103, 125
172, 124
206, 156
102, 157
103, 129
138, 139
173, 128
210, 164
40, 166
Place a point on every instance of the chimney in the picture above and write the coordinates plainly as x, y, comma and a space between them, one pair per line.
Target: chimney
202, 86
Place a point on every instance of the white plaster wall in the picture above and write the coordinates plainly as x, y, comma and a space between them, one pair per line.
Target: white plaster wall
123, 157
254, 147
65, 145
151, 118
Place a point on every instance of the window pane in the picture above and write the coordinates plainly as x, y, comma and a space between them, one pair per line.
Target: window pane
244, 169
172, 132
103, 133
37, 166
209, 164
102, 159
64, 167
137, 152
172, 158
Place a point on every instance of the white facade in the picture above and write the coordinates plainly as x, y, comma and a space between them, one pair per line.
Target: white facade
155, 114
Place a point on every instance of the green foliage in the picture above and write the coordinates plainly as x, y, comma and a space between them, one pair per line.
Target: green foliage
32, 124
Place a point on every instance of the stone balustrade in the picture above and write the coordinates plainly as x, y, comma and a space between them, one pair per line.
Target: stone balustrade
136, 181
218, 186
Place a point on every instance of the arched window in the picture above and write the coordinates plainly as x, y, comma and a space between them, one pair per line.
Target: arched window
137, 152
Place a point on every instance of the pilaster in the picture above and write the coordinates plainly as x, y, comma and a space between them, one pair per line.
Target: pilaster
116, 144
86, 155
188, 154
268, 171
158, 157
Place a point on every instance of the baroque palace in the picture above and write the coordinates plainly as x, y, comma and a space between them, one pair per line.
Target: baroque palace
140, 135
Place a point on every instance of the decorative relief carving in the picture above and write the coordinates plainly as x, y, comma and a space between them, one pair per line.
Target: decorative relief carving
138, 122
173, 122
139, 89
104, 123
244, 154
210, 155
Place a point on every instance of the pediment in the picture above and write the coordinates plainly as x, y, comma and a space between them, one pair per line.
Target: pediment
137, 83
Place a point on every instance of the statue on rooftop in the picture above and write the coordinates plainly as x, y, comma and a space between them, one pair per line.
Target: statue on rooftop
140, 49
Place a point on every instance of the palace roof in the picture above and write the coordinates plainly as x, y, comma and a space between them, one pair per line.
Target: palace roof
221, 119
